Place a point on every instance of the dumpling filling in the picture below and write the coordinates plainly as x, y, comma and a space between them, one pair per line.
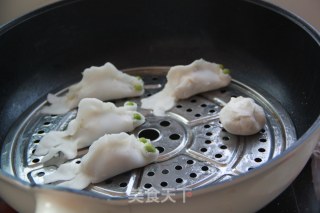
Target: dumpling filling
242, 116
109, 156
186, 81
104, 83
94, 119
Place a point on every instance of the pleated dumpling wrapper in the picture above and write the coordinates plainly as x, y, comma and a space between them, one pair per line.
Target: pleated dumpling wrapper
104, 83
94, 119
242, 116
186, 81
109, 156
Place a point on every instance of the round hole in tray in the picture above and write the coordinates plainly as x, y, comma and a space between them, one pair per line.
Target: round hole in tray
223, 147
218, 156
263, 140
165, 171
147, 185
165, 123
258, 160
40, 174
203, 149
225, 138
40, 132
160, 149
152, 134
164, 184
36, 160
178, 167
150, 174
190, 162
123, 184
174, 136
179, 180
193, 175
204, 168
207, 142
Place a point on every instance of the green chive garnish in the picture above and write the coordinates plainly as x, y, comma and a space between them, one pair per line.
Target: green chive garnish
129, 103
226, 71
138, 87
137, 116
149, 148
143, 140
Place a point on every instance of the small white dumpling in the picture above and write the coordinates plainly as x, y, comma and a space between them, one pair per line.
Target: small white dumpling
104, 83
94, 119
186, 81
109, 156
242, 116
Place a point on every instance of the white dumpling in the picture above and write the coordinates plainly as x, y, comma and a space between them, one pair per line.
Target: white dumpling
94, 119
109, 156
186, 81
242, 116
104, 83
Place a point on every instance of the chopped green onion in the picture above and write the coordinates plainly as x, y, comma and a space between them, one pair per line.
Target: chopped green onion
129, 103
143, 140
149, 148
136, 116
226, 71
138, 87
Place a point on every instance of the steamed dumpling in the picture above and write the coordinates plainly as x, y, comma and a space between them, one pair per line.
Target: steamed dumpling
104, 83
94, 119
109, 156
242, 116
186, 81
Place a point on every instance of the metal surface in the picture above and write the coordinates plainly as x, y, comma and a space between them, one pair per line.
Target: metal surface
194, 148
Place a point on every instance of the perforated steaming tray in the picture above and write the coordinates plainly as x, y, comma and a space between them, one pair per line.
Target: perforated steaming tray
195, 150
